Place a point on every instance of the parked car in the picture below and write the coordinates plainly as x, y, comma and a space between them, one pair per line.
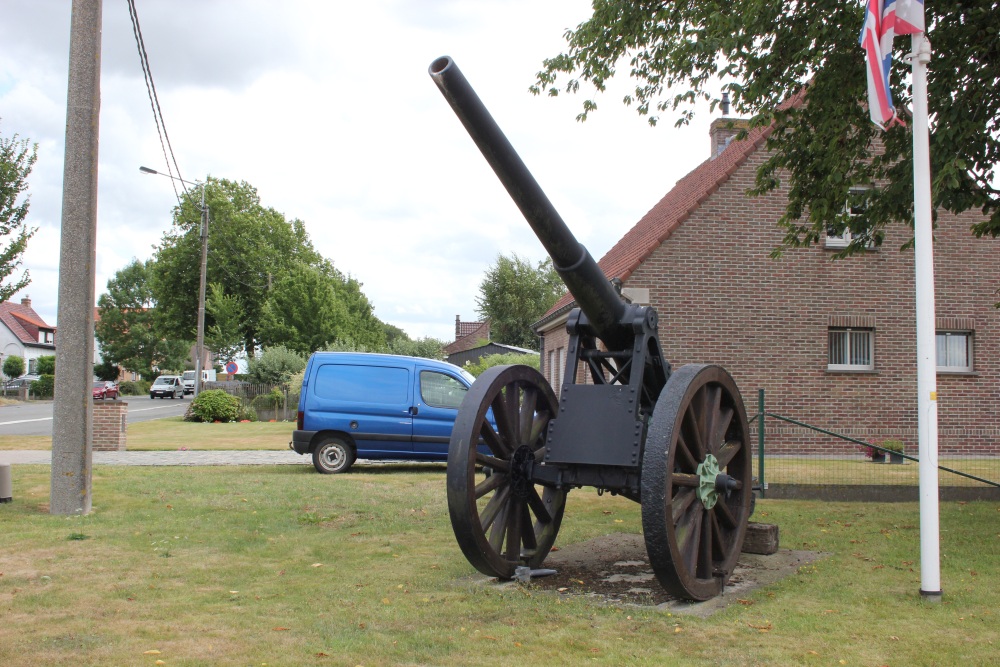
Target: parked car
105, 389
376, 406
166, 385
24, 380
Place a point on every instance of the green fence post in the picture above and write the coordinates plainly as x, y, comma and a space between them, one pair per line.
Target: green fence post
760, 441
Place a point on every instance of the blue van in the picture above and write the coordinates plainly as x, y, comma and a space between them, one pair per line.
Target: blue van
376, 406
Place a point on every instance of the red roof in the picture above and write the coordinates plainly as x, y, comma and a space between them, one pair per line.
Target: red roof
23, 322
471, 339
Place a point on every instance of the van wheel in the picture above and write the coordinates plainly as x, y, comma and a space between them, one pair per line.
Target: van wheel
333, 455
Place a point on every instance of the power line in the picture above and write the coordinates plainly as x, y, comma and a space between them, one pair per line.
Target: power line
154, 101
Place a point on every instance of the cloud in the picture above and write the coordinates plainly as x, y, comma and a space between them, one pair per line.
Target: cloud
328, 110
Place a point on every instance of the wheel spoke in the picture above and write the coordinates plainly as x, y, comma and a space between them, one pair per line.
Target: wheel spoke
526, 415
680, 503
505, 418
493, 440
724, 515
693, 433
537, 506
514, 530
685, 479
539, 422
727, 452
493, 507
722, 422
688, 540
684, 457
499, 528
530, 543
492, 462
489, 484
711, 406
705, 547
719, 541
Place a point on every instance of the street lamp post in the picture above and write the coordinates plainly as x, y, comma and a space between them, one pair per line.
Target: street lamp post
200, 343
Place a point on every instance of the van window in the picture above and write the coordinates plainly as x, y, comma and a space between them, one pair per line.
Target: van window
368, 384
441, 391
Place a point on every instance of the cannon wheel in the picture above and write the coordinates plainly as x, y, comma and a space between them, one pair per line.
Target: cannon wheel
697, 445
501, 518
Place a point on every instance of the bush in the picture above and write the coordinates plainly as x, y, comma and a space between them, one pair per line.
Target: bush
13, 366
215, 405
492, 360
247, 413
133, 388
44, 387
275, 365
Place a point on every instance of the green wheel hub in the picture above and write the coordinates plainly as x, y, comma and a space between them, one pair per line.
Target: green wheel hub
708, 473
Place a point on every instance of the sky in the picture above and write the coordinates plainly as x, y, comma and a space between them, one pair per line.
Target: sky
326, 108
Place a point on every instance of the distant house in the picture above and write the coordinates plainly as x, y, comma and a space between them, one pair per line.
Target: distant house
472, 343
832, 342
25, 334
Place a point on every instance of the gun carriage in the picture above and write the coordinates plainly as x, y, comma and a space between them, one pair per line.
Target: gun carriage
675, 441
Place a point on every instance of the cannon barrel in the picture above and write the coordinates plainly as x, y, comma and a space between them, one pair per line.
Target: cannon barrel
593, 293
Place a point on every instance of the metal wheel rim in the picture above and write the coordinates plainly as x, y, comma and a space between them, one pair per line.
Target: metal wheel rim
501, 522
333, 457
693, 550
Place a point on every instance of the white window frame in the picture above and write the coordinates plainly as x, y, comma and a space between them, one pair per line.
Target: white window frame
851, 337
844, 240
954, 367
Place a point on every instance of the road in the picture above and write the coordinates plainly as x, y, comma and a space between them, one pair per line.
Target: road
35, 417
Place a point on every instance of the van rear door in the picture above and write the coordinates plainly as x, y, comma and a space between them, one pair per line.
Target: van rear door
372, 403
437, 397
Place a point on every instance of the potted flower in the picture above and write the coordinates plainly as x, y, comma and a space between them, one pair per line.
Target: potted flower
876, 455
895, 448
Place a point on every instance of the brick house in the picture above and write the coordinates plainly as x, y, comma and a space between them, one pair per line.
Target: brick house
25, 334
832, 343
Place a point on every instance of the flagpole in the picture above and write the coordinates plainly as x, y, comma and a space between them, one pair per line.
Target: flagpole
927, 423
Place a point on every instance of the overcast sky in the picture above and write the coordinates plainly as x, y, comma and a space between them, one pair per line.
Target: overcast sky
327, 109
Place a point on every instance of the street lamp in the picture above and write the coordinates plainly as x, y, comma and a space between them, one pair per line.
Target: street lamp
200, 344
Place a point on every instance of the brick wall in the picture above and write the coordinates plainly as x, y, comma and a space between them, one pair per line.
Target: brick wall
721, 299
110, 426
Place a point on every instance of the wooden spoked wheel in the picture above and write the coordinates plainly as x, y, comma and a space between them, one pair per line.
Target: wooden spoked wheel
501, 518
696, 482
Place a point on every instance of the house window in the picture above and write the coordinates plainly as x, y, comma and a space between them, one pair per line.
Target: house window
32, 366
854, 207
851, 349
954, 351
556, 367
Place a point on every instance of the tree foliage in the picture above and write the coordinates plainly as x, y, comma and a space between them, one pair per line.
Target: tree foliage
17, 157
13, 366
46, 364
128, 328
764, 52
514, 294
275, 365
249, 246
509, 358
224, 337
310, 307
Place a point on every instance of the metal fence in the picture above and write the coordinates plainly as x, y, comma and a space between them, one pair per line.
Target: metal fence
845, 475
269, 402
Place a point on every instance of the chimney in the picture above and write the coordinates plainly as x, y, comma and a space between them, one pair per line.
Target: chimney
725, 128
458, 327
26, 301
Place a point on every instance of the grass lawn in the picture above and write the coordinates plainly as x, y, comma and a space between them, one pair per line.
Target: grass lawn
278, 565
174, 433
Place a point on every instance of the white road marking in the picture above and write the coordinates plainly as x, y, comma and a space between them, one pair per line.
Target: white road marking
48, 419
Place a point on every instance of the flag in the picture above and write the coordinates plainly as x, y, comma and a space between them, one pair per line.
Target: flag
884, 19
876, 40
909, 16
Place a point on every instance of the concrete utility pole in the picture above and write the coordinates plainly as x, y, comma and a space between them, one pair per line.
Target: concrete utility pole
72, 439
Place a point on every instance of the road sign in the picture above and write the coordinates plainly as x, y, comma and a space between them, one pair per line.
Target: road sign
231, 368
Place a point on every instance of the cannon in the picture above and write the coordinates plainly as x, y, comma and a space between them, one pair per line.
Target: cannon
675, 441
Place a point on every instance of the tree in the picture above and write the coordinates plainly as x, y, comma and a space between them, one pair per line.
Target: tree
311, 307
13, 366
107, 371
129, 328
46, 365
224, 337
764, 53
514, 294
17, 158
275, 365
249, 247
